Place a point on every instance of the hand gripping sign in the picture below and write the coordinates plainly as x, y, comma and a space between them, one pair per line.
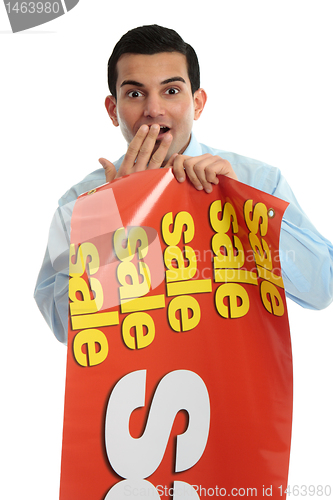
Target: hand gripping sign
179, 370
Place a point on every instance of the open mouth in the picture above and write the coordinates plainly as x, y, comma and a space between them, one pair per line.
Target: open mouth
164, 130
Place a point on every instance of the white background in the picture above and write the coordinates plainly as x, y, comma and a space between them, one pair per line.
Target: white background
266, 66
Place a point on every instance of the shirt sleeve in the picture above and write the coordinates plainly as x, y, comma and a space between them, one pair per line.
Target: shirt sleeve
51, 295
51, 291
306, 256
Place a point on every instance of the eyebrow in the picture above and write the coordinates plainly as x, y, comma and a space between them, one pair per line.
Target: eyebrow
131, 82
173, 79
138, 84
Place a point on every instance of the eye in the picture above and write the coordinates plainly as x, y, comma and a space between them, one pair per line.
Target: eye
134, 93
172, 91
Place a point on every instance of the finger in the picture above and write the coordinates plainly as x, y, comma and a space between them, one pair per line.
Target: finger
170, 162
193, 167
220, 167
206, 172
109, 168
178, 167
227, 170
159, 156
147, 148
133, 150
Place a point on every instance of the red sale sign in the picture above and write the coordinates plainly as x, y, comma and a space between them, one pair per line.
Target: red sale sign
179, 368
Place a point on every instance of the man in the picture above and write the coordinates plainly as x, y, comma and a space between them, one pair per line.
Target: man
154, 82
156, 114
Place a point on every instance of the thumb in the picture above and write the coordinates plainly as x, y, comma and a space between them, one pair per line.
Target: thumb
110, 169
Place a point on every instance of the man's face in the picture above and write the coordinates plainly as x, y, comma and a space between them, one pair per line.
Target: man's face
156, 89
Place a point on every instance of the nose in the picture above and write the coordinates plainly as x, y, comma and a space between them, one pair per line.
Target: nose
153, 106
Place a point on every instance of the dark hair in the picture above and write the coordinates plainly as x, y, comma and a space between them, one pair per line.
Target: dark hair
151, 40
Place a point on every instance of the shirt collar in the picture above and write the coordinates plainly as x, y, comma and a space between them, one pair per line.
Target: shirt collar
194, 148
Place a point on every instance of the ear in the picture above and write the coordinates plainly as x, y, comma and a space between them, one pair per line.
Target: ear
200, 98
111, 108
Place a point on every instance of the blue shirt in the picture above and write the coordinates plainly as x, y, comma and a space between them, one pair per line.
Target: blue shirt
306, 257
